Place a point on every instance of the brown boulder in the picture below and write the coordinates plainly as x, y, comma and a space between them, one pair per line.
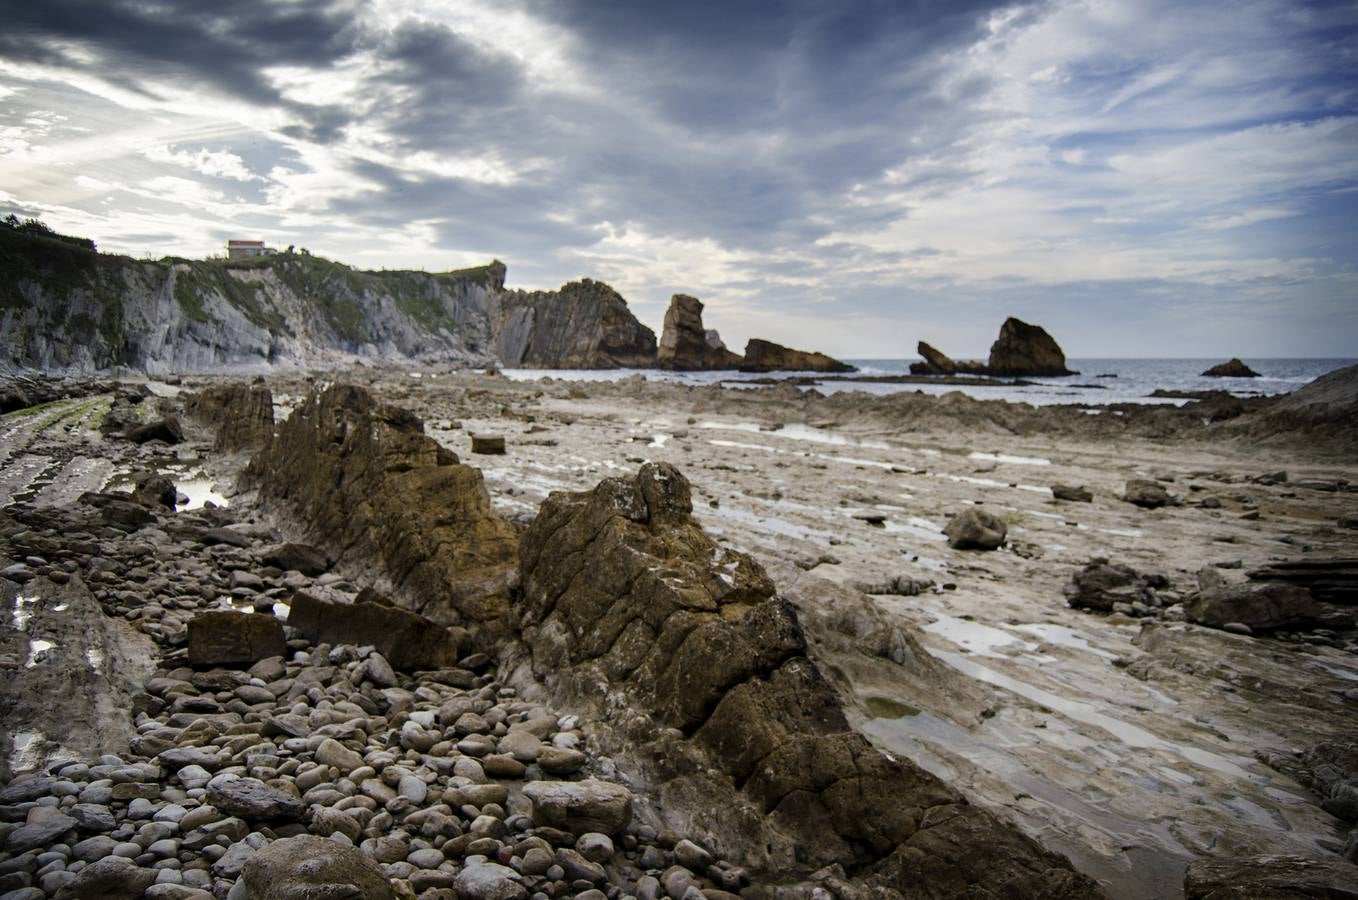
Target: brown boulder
1260, 605
1147, 494
1232, 368
224, 638
364, 477
766, 356
308, 867
1026, 350
167, 430
304, 558
975, 529
407, 640
683, 646
936, 362
241, 415
685, 345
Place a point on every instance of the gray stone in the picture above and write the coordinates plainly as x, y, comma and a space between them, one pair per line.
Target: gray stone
580, 806
307, 867
975, 529
332, 753
251, 798
111, 878
44, 826
488, 881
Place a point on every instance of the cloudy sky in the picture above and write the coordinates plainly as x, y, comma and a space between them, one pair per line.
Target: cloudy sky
1143, 177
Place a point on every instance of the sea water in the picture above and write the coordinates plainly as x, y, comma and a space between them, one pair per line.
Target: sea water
1099, 382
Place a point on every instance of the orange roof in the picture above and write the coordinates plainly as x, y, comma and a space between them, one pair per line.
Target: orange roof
245, 243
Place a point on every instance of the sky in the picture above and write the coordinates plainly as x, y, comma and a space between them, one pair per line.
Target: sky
1145, 178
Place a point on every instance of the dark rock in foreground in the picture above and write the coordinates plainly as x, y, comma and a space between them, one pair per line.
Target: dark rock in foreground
307, 866
1147, 494
1232, 368
241, 415
685, 345
1101, 585
364, 477
710, 687
1023, 349
766, 356
1260, 606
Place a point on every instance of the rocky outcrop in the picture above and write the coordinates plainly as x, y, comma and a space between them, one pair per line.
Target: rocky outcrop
583, 325
936, 362
1275, 877
1232, 368
685, 346
975, 529
766, 356
687, 651
364, 478
1102, 586
1147, 494
1026, 350
67, 308
1322, 412
240, 415
1333, 580
227, 638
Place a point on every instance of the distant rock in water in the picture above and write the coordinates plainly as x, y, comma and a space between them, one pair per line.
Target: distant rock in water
936, 362
1026, 350
584, 324
1232, 368
766, 356
685, 346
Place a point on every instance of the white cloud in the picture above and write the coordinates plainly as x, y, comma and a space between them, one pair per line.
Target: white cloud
213, 163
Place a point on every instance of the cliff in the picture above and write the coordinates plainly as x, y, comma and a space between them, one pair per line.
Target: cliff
583, 325
63, 307
685, 345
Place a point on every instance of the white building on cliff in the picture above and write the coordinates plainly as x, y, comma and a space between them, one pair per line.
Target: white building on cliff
245, 249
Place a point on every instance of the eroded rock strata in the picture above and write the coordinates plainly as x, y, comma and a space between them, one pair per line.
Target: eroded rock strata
363, 478
685, 345
584, 324
766, 356
629, 608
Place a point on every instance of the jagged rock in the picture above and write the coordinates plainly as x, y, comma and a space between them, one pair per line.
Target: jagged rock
1023, 349
766, 356
118, 510
167, 430
304, 558
1100, 585
975, 529
684, 344
624, 596
1261, 606
364, 477
1272, 877
307, 867
583, 325
1232, 368
1329, 769
224, 638
936, 362
581, 806
900, 585
1072, 493
407, 640
242, 415
1147, 494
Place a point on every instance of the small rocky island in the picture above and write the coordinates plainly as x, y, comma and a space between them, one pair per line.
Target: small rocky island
1232, 368
1021, 350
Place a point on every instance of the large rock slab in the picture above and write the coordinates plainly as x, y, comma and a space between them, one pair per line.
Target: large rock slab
766, 356
685, 345
110, 878
224, 638
364, 477
685, 647
1260, 605
307, 867
252, 799
1271, 877
1026, 350
407, 640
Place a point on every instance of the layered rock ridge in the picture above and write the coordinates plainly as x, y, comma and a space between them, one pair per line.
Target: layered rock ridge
583, 325
363, 479
685, 647
766, 356
685, 345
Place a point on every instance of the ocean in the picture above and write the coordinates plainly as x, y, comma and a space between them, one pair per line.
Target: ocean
1100, 382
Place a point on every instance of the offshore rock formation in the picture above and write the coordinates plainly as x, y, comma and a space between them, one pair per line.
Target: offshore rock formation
63, 307
630, 608
1232, 368
1023, 349
766, 356
583, 325
685, 345
364, 479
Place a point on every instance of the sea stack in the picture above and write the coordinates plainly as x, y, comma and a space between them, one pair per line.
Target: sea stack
766, 356
685, 346
1026, 350
1232, 368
